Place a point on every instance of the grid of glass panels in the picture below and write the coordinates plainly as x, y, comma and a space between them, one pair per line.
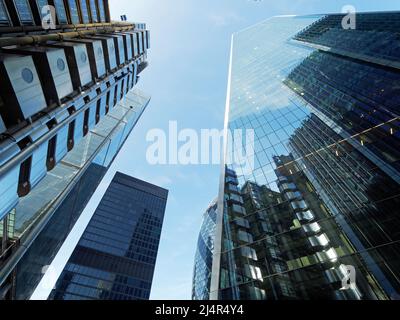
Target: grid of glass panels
85, 283
24, 12
116, 255
117, 238
317, 198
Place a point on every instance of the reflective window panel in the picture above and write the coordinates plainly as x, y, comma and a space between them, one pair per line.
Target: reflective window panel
102, 11
4, 18
24, 11
60, 10
85, 12
73, 8
93, 10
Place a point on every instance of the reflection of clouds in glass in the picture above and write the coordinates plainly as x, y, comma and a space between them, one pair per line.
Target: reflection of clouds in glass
257, 85
259, 98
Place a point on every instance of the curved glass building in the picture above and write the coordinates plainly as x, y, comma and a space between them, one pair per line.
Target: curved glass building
204, 255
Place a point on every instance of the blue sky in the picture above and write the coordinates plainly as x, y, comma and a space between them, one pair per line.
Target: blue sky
186, 77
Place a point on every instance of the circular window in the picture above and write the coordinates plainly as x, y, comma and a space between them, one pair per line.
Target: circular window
99, 52
83, 57
27, 75
60, 64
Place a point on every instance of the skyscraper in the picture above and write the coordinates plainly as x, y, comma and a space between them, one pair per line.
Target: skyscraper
116, 255
318, 215
204, 255
67, 105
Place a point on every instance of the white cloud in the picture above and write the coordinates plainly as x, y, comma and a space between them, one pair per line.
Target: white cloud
225, 19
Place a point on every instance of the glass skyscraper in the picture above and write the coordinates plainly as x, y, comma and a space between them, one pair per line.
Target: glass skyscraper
68, 102
204, 255
318, 217
116, 255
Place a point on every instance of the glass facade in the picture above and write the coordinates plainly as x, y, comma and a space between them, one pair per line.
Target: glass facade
323, 196
204, 255
116, 255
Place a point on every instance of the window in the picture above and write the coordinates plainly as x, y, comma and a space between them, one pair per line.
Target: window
4, 18
60, 10
129, 81
108, 102
40, 5
242, 223
249, 253
74, 11
102, 11
85, 12
98, 111
245, 237
252, 272
122, 89
148, 39
86, 122
115, 94
93, 10
51, 154
24, 175
140, 40
71, 133
24, 12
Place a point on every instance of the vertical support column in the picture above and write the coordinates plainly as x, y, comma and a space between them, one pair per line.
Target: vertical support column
4, 238
107, 10
67, 11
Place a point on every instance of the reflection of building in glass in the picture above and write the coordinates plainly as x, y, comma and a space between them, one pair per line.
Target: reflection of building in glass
67, 105
324, 192
116, 255
290, 247
204, 255
359, 194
